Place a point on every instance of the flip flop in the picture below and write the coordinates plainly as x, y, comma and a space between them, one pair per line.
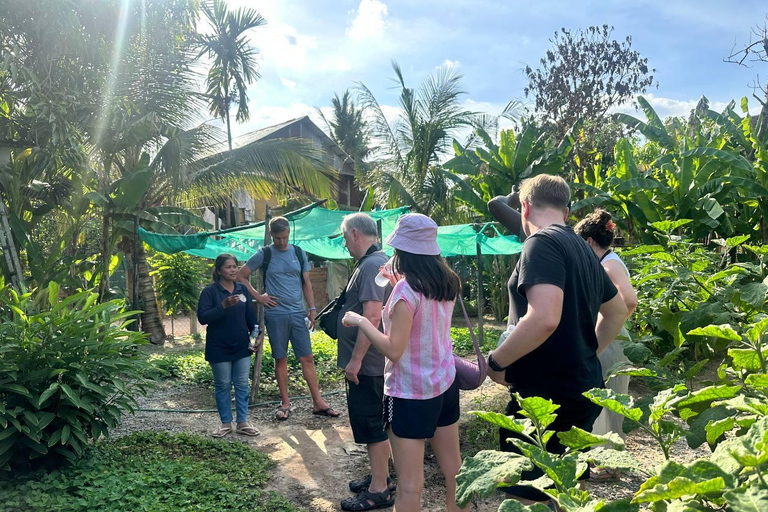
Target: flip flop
286, 411
328, 411
248, 430
222, 431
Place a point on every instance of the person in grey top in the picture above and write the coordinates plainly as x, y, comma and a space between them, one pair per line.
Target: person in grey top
287, 286
364, 365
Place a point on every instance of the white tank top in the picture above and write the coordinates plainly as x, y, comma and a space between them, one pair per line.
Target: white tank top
613, 256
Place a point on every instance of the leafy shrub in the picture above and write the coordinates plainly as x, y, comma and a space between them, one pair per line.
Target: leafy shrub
179, 277
153, 471
68, 370
462, 341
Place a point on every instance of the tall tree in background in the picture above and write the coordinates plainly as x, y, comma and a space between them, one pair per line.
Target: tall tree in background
584, 74
234, 60
348, 128
407, 165
581, 77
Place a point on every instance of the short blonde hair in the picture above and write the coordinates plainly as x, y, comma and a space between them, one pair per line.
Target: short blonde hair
546, 191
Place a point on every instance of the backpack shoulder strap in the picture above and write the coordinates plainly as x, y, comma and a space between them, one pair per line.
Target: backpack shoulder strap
300, 256
267, 251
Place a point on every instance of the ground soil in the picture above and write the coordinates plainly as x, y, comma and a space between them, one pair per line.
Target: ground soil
316, 457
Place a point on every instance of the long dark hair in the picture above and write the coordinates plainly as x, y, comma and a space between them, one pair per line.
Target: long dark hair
221, 260
597, 226
429, 275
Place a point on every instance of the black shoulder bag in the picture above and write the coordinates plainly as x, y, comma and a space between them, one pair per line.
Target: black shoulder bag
328, 318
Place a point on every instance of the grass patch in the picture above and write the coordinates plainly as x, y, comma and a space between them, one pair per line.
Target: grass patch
156, 472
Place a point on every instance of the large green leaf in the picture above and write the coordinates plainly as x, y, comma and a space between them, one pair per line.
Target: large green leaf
619, 460
728, 157
724, 331
751, 499
754, 294
697, 433
746, 359
675, 480
539, 410
620, 404
516, 506
563, 470
578, 439
508, 422
484, 473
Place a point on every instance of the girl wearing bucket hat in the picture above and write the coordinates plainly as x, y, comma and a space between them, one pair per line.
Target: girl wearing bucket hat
422, 394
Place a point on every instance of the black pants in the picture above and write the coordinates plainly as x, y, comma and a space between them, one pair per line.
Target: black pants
580, 413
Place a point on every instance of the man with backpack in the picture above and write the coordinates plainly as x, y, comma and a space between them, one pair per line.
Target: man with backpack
285, 270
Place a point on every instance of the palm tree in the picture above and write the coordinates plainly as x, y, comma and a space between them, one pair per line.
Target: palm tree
406, 166
348, 128
154, 151
234, 60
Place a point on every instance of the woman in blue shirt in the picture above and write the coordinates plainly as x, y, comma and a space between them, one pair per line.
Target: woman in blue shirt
226, 309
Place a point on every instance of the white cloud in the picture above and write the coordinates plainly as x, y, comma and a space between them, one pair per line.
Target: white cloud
288, 83
369, 21
283, 46
670, 107
448, 63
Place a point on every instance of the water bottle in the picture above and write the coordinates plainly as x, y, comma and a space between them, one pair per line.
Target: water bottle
505, 334
307, 322
381, 279
254, 336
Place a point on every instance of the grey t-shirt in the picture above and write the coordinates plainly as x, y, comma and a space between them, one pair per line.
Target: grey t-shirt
362, 287
283, 278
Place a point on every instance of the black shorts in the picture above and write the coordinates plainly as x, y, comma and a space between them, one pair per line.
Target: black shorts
364, 403
419, 419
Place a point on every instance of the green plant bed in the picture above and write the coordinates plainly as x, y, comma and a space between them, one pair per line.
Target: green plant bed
190, 366
462, 341
152, 471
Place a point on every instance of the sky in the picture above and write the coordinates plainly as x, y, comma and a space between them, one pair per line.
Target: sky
311, 49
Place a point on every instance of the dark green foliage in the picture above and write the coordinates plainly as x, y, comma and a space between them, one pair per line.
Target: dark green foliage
68, 370
152, 471
178, 280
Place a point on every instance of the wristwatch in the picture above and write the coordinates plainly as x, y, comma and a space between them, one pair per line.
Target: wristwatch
493, 364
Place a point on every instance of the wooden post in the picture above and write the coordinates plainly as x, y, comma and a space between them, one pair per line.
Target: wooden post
480, 305
379, 233
260, 315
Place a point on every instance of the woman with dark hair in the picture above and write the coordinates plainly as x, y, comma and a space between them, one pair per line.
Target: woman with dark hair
597, 229
226, 309
421, 392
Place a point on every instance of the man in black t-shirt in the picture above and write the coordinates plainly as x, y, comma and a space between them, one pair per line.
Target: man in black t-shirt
556, 292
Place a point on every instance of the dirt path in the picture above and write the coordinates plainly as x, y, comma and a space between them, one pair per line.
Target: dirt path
316, 457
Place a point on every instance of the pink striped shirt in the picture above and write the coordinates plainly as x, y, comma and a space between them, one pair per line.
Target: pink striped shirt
426, 369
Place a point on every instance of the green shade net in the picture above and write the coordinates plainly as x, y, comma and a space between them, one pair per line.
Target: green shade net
318, 231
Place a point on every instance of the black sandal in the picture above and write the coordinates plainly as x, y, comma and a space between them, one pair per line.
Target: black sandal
362, 484
365, 500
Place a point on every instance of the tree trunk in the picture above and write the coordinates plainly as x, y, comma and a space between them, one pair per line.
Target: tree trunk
151, 321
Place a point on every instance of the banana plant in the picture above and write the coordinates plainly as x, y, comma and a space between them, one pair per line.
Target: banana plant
482, 173
700, 175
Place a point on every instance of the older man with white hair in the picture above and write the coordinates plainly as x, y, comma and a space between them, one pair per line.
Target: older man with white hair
364, 365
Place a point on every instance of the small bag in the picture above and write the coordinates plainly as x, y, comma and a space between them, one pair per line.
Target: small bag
328, 318
470, 375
